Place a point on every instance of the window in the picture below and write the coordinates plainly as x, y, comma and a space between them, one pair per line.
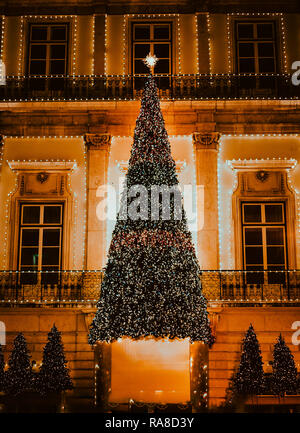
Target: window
154, 38
40, 241
264, 239
48, 49
255, 47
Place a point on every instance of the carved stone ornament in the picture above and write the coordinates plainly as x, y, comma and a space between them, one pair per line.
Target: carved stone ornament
97, 141
208, 140
42, 177
262, 175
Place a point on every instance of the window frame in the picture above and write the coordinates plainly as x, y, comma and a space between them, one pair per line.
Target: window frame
264, 225
48, 43
256, 41
41, 227
151, 42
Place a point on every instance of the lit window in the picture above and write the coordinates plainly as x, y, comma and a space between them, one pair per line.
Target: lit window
153, 38
255, 47
48, 49
264, 239
40, 241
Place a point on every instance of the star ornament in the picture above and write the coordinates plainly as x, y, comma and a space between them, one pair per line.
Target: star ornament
150, 60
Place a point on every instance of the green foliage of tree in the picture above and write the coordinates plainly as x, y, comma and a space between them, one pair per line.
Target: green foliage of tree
54, 375
249, 378
19, 376
284, 378
151, 285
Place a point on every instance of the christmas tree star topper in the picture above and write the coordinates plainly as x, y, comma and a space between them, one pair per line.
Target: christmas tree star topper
150, 60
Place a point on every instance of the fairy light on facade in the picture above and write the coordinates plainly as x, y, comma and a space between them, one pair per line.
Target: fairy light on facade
21, 42
2, 59
2, 38
197, 43
84, 205
105, 44
283, 36
208, 23
220, 226
229, 55
179, 44
93, 47
74, 46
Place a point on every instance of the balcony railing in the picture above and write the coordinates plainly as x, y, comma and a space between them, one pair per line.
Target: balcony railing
84, 286
127, 87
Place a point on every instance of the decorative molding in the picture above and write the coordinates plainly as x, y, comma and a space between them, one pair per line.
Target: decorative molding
97, 141
42, 166
262, 175
123, 166
206, 140
262, 164
42, 177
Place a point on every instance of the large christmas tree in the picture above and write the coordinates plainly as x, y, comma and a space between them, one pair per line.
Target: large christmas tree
284, 377
151, 285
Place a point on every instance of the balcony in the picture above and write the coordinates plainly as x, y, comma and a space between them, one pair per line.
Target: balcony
128, 87
83, 287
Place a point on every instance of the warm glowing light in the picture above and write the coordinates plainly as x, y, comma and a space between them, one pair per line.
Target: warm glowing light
153, 366
150, 60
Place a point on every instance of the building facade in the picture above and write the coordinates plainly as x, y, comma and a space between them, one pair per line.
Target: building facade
69, 102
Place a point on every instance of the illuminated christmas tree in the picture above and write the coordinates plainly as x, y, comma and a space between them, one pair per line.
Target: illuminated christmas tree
151, 285
19, 376
249, 379
2, 365
54, 376
284, 377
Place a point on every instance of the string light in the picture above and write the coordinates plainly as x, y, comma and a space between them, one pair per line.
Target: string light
93, 47
25, 18
197, 44
209, 41
20, 54
2, 38
228, 43
125, 20
220, 216
84, 206
283, 43
179, 44
105, 44
74, 45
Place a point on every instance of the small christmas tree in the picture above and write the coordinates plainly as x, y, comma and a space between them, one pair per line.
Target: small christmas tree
284, 377
54, 376
2, 373
249, 379
19, 376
